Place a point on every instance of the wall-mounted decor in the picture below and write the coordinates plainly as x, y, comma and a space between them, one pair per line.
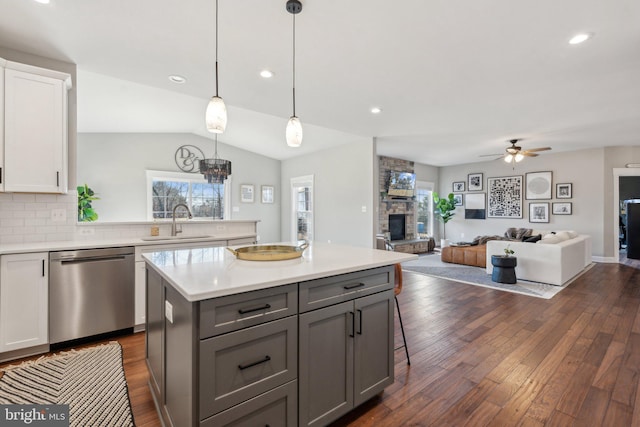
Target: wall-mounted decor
475, 207
458, 186
267, 193
505, 197
246, 193
538, 212
188, 158
564, 191
474, 181
538, 185
458, 200
564, 208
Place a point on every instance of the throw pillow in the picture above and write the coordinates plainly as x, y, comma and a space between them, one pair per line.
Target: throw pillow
533, 239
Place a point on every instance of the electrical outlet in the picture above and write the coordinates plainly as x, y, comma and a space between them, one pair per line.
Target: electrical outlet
220, 227
364, 209
58, 215
168, 311
87, 231
236, 209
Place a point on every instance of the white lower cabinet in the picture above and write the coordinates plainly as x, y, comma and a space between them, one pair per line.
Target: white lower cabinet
24, 296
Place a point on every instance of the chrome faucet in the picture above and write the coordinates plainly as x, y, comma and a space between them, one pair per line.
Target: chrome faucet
174, 228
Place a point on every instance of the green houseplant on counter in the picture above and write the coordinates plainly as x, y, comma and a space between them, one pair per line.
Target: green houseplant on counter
444, 210
85, 210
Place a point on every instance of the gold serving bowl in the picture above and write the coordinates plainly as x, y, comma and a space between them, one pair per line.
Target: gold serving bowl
269, 252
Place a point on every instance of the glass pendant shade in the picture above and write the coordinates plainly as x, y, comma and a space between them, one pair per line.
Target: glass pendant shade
508, 158
216, 115
518, 157
294, 132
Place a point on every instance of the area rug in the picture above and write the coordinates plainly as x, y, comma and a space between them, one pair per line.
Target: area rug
91, 381
431, 265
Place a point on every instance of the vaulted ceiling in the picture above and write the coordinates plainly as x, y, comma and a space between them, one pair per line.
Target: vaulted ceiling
455, 80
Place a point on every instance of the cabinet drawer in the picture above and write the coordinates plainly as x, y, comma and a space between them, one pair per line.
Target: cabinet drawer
241, 365
319, 293
226, 314
276, 408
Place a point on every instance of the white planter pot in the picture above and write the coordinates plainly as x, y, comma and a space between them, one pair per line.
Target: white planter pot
444, 243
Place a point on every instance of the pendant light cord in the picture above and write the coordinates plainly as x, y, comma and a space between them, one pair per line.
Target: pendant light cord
215, 155
216, 47
294, 65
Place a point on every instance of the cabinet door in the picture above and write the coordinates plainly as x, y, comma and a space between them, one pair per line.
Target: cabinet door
155, 333
35, 153
140, 277
373, 367
326, 364
24, 306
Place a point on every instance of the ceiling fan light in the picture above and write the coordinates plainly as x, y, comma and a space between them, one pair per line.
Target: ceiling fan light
216, 115
508, 158
294, 132
518, 157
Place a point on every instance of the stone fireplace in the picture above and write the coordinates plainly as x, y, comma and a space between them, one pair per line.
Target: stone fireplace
390, 206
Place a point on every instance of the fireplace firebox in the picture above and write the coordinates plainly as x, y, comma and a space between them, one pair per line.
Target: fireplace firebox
397, 226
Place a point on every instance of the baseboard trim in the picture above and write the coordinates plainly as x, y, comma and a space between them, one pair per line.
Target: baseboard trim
611, 260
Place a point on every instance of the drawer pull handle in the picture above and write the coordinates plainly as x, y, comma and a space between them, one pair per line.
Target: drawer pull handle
359, 285
249, 365
251, 310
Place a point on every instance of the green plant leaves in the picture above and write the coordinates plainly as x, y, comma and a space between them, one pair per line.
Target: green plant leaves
85, 210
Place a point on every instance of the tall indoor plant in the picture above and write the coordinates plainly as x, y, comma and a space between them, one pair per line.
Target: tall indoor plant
444, 210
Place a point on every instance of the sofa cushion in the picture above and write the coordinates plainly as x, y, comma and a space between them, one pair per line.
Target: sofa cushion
517, 233
533, 239
551, 239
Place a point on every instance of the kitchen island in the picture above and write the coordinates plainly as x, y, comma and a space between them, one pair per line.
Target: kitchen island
287, 343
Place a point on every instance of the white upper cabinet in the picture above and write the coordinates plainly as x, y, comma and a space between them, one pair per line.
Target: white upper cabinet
35, 129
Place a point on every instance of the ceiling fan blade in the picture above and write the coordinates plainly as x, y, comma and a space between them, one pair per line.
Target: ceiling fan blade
533, 150
528, 154
489, 155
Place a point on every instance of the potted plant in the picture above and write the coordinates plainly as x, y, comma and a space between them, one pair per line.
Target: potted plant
444, 210
85, 197
508, 251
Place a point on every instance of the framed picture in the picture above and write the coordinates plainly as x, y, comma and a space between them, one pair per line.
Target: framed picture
246, 193
458, 199
564, 191
538, 212
505, 197
458, 186
538, 185
267, 193
564, 208
474, 182
475, 207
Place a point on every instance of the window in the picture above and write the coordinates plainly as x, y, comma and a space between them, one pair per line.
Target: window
167, 189
302, 202
424, 214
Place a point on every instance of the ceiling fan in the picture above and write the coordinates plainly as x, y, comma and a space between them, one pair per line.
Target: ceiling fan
515, 153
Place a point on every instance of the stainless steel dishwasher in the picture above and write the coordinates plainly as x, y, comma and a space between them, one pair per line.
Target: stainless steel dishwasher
91, 292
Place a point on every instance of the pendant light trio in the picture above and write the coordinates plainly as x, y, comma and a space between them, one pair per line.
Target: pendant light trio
217, 170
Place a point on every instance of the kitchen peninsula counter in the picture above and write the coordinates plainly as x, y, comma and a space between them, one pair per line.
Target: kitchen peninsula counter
285, 343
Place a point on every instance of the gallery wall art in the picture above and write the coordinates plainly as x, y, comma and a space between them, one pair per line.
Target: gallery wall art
505, 197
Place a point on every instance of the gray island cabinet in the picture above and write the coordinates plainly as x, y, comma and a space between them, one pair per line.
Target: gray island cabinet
281, 343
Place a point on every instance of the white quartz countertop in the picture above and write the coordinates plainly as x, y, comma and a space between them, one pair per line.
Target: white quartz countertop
64, 245
203, 273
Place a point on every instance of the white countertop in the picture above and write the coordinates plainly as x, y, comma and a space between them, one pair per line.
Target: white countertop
65, 245
203, 273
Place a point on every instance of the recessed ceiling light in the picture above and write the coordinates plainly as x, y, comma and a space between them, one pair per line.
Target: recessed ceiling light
580, 38
177, 79
266, 74
43, 1
376, 110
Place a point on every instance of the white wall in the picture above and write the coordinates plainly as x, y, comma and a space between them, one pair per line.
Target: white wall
584, 169
114, 165
343, 178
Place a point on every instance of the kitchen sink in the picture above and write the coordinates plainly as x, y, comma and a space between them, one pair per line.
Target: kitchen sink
179, 237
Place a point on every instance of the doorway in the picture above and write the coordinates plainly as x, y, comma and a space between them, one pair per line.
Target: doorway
302, 218
626, 186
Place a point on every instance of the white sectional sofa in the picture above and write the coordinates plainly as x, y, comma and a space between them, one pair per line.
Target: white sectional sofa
554, 259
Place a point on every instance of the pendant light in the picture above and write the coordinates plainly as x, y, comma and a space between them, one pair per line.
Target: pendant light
294, 127
216, 114
216, 170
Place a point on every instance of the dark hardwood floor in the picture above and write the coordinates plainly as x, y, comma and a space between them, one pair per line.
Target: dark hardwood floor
482, 357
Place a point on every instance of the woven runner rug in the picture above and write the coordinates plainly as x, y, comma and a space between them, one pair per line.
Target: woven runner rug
91, 381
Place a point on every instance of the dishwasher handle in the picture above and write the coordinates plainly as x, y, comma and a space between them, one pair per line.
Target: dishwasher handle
76, 260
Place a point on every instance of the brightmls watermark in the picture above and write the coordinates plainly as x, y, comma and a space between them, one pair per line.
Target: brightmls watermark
34, 415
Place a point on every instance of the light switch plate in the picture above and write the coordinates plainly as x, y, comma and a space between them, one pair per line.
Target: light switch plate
168, 311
